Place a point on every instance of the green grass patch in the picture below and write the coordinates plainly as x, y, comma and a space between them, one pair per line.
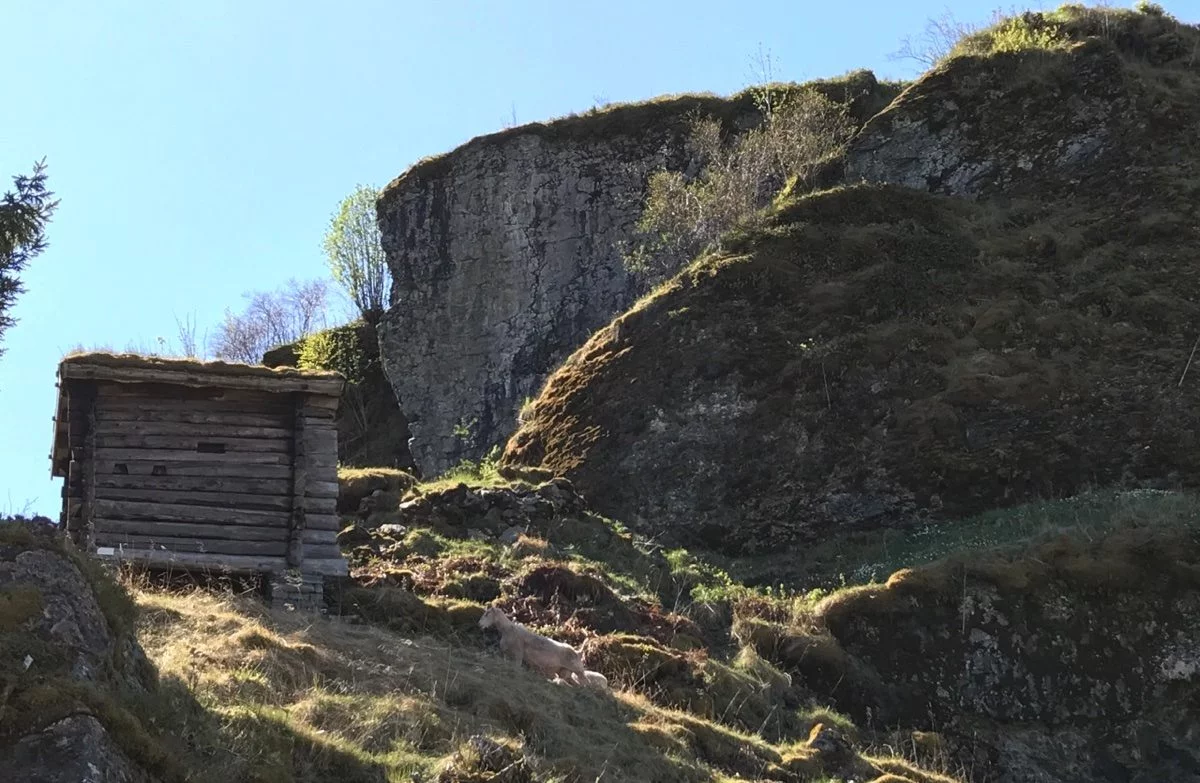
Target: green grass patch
864, 558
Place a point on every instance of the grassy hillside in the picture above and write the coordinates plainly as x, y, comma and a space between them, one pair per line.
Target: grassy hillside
712, 679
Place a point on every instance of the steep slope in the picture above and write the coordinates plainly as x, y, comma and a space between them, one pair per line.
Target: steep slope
1055, 643
505, 256
875, 352
1071, 661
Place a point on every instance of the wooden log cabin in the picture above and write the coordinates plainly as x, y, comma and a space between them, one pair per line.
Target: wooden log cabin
202, 466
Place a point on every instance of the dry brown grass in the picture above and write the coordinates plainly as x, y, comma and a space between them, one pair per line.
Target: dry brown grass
281, 697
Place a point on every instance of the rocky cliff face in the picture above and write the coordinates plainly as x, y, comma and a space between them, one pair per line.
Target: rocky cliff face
876, 352
505, 256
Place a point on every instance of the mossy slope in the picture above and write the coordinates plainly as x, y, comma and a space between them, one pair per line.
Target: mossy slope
875, 352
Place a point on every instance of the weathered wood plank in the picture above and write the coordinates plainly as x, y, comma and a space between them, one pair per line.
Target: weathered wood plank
320, 441
179, 455
193, 530
171, 391
230, 500
214, 546
166, 559
183, 530
325, 473
315, 403
183, 415
224, 468
219, 498
172, 403
324, 522
320, 537
323, 489
189, 443
197, 430
320, 552
333, 566
323, 461
280, 487
133, 509
276, 383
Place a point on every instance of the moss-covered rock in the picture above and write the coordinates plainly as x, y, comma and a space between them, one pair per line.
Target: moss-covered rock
72, 678
372, 430
1060, 661
874, 353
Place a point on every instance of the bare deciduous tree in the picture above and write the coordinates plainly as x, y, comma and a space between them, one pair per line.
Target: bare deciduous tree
937, 40
270, 319
190, 345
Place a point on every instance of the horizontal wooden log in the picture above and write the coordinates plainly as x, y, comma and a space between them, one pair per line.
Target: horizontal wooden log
320, 551
130, 509
320, 537
321, 489
196, 430
184, 415
214, 546
168, 391
192, 530
314, 402
223, 469
323, 522
190, 443
275, 382
179, 456
218, 499
233, 484
199, 561
207, 532
332, 566
211, 407
238, 500
320, 440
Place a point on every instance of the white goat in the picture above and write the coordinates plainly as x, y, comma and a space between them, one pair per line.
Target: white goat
542, 654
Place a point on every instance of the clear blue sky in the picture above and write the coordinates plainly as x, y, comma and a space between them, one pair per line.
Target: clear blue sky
199, 148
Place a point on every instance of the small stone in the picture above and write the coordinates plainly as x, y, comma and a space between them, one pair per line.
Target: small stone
353, 536
510, 536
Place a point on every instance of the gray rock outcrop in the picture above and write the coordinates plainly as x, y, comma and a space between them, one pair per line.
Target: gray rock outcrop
503, 263
62, 661
76, 749
506, 256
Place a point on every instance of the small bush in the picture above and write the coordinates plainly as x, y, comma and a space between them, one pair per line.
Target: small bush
343, 350
1029, 31
685, 216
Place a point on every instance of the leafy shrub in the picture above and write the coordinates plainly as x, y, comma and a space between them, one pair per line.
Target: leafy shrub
1029, 31
685, 216
342, 349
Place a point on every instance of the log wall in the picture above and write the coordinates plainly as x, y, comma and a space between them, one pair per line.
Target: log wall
205, 476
